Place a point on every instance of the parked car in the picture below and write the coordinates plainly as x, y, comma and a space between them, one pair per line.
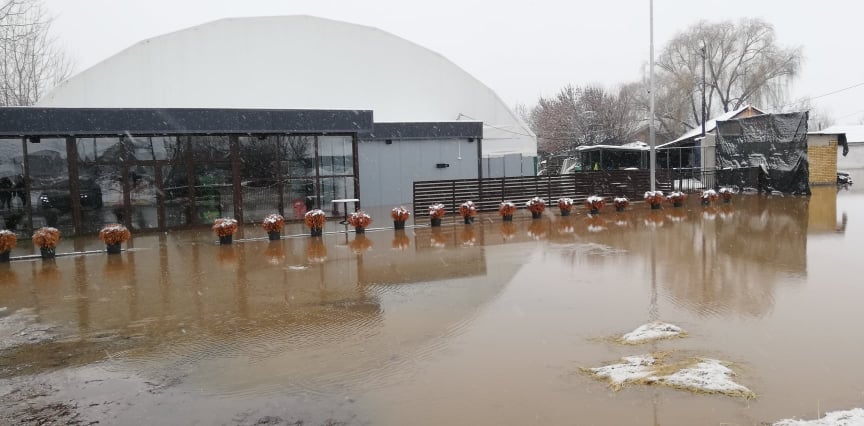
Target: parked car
844, 178
58, 198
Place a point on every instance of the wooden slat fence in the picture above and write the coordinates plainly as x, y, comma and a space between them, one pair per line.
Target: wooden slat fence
488, 193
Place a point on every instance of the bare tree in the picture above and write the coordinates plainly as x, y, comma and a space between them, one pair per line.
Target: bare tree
585, 116
31, 62
743, 64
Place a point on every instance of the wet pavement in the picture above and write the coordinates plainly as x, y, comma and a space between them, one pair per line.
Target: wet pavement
481, 324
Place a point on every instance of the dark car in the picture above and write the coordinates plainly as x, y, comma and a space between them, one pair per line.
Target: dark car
58, 197
844, 178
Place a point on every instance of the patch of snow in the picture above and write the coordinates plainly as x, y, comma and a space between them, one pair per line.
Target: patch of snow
652, 331
633, 368
854, 417
708, 375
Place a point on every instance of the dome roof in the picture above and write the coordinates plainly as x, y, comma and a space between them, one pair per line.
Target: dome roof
295, 62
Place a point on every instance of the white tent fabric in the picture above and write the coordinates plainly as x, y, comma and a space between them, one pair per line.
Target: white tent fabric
298, 62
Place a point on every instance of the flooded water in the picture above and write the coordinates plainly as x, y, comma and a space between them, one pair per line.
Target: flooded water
482, 324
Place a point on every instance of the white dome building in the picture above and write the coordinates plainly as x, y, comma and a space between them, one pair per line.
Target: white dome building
296, 62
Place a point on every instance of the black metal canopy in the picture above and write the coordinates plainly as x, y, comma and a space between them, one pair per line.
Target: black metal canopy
48, 122
425, 130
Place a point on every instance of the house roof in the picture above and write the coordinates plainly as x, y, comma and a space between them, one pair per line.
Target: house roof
710, 125
854, 134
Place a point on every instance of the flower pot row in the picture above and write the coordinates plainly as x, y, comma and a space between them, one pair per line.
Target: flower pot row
47, 238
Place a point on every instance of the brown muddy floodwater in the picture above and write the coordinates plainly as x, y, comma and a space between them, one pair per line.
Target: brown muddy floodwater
481, 324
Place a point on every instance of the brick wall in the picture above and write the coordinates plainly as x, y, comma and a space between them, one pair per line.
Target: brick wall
822, 155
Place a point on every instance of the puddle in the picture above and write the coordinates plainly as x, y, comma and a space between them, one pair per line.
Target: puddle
450, 325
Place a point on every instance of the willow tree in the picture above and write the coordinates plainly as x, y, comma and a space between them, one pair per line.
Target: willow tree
31, 63
744, 64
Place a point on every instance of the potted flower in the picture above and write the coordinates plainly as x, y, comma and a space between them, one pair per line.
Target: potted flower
225, 229
8, 241
506, 210
654, 198
726, 194
621, 203
468, 211
565, 205
708, 197
47, 238
676, 198
360, 221
595, 203
113, 235
274, 224
436, 213
400, 215
400, 241
536, 205
315, 220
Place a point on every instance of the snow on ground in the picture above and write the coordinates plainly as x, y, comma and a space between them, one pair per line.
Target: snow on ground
633, 368
703, 375
709, 375
652, 331
854, 417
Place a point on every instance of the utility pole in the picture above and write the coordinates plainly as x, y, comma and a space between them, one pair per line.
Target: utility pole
703, 91
653, 156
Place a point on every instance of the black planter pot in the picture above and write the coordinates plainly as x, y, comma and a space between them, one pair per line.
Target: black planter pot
507, 218
655, 206
727, 200
565, 212
595, 211
436, 221
677, 204
706, 202
48, 253
359, 230
536, 215
112, 248
316, 232
226, 239
274, 236
4, 257
619, 209
469, 220
398, 224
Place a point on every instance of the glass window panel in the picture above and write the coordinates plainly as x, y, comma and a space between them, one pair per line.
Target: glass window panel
49, 179
299, 196
336, 188
13, 196
101, 191
213, 147
142, 193
175, 196
298, 156
336, 156
154, 148
110, 150
214, 193
259, 177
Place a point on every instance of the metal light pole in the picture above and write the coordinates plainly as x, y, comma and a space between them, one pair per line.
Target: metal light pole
703, 91
653, 155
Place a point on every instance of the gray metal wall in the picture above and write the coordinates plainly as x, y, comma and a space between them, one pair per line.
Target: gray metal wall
388, 172
508, 166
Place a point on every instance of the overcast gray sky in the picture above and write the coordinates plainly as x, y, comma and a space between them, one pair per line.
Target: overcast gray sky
521, 49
